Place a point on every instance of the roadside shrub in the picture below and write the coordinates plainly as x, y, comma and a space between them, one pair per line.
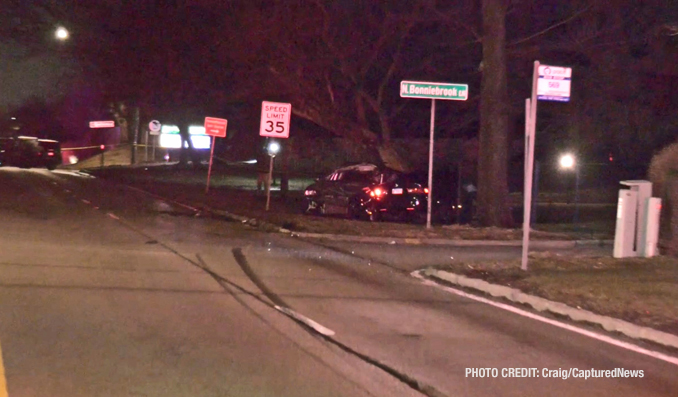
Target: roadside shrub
663, 173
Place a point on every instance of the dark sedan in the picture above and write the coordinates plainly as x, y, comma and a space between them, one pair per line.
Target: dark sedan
27, 152
363, 191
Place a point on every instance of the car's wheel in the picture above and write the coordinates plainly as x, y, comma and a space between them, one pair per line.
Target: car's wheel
315, 208
373, 214
51, 167
355, 209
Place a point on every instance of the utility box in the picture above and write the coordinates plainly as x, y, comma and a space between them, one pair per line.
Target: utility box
650, 232
625, 231
637, 229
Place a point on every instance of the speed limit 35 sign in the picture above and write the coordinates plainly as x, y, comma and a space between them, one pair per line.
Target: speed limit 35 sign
275, 119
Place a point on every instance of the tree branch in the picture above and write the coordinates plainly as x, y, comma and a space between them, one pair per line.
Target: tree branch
563, 22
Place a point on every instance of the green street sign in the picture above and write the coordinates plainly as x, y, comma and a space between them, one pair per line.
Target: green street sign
419, 89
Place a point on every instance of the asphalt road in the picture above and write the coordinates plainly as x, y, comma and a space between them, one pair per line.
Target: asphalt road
105, 291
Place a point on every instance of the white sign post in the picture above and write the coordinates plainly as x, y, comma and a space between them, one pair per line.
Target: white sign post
432, 91
154, 127
275, 123
549, 83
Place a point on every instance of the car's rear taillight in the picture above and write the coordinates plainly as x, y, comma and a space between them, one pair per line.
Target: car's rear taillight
51, 154
377, 192
426, 190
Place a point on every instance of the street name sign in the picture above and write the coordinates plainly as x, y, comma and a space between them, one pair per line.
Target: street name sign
419, 89
275, 119
432, 91
215, 127
102, 124
554, 83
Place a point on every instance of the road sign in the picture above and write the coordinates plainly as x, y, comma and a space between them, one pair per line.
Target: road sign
155, 127
419, 89
102, 124
554, 83
275, 119
215, 127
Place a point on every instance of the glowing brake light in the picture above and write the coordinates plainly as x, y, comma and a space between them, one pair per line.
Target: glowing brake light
377, 193
426, 190
50, 154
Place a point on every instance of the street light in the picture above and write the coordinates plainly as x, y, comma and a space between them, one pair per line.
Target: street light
273, 148
568, 161
61, 33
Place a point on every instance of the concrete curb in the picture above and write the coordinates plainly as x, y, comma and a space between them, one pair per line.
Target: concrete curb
540, 304
543, 244
539, 244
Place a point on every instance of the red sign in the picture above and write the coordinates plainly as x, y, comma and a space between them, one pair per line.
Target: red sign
215, 127
102, 124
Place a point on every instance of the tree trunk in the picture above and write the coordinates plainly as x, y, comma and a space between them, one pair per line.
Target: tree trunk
493, 209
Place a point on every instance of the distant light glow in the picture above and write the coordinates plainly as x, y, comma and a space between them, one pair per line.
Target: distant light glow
72, 159
273, 148
13, 118
567, 161
61, 33
201, 141
196, 130
173, 141
169, 129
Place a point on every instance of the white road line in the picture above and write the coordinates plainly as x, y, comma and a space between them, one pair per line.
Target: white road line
113, 216
300, 317
590, 334
3, 380
86, 201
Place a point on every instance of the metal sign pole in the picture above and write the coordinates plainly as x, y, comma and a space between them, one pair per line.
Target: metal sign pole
430, 165
530, 135
209, 169
146, 148
268, 183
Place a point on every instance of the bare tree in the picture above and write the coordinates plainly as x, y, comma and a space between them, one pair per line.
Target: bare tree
340, 63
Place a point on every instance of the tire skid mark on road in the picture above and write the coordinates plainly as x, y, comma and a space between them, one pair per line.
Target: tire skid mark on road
279, 304
603, 338
3, 380
229, 285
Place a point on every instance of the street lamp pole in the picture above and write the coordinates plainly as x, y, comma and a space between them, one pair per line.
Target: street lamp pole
569, 162
273, 149
577, 167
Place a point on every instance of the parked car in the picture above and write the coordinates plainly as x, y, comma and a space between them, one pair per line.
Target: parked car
27, 152
363, 191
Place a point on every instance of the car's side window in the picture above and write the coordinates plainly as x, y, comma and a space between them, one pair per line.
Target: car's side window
335, 176
357, 177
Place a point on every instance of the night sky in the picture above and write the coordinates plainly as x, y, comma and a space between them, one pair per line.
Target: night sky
184, 59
